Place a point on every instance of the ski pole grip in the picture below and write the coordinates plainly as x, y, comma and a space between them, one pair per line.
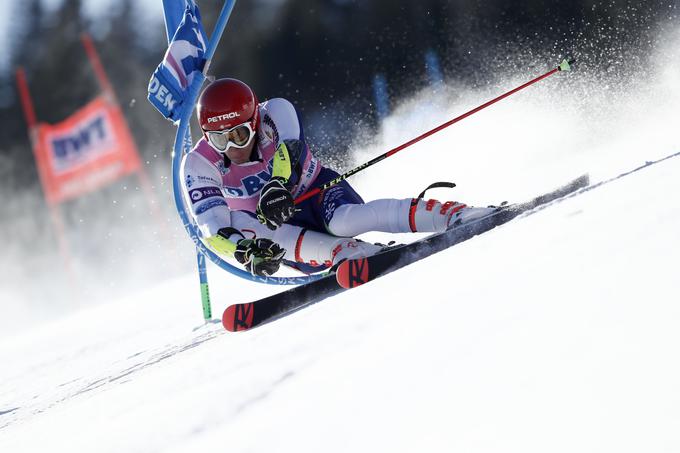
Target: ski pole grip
566, 64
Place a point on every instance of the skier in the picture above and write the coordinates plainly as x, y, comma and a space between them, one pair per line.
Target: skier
242, 177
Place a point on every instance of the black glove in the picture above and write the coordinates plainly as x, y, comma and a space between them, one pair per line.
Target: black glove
259, 256
276, 205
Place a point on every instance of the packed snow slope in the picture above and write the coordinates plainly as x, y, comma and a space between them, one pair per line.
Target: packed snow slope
556, 332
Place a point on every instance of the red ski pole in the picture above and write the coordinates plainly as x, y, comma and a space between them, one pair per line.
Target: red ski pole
564, 66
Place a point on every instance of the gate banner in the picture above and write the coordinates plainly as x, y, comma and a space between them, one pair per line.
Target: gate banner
88, 150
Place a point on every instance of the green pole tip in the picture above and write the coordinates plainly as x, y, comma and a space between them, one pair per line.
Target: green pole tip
565, 65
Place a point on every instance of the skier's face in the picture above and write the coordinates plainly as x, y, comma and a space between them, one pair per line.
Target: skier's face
240, 155
236, 142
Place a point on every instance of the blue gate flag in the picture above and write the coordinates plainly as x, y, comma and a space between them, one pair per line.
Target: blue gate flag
173, 11
185, 56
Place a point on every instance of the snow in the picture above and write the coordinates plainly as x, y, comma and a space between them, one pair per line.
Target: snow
556, 332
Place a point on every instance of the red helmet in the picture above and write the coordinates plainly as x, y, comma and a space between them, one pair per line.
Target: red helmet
226, 103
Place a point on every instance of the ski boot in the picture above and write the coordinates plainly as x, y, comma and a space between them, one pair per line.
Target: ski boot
434, 216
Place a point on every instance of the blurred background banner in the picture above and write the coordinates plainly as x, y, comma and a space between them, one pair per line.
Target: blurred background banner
91, 148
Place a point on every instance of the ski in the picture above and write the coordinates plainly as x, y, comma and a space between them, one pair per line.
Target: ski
356, 272
352, 273
245, 316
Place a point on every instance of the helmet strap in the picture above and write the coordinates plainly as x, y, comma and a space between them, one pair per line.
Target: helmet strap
255, 153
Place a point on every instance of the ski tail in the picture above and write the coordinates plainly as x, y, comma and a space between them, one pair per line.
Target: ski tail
238, 317
354, 273
245, 316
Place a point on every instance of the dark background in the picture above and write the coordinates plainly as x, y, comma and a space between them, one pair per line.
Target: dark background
320, 54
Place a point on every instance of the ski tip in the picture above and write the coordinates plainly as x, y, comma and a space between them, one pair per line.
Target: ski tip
238, 317
352, 273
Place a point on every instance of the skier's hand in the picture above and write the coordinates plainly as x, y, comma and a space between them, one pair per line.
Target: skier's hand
276, 205
260, 257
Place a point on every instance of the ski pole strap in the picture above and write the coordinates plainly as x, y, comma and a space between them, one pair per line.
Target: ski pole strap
437, 185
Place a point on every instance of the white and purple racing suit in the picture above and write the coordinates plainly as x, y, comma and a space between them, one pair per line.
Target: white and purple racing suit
220, 194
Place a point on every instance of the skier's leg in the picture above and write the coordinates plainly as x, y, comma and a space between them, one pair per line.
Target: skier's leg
302, 245
400, 216
312, 244
341, 211
318, 248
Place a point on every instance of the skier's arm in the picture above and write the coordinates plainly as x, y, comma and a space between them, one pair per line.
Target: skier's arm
202, 187
203, 194
202, 184
283, 124
259, 256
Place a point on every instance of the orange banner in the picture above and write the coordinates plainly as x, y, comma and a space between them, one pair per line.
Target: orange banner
88, 150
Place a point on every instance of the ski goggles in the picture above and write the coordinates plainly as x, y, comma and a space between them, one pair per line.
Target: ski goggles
238, 137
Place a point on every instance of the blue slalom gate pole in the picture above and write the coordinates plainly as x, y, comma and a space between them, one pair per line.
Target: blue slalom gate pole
434, 71
382, 102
